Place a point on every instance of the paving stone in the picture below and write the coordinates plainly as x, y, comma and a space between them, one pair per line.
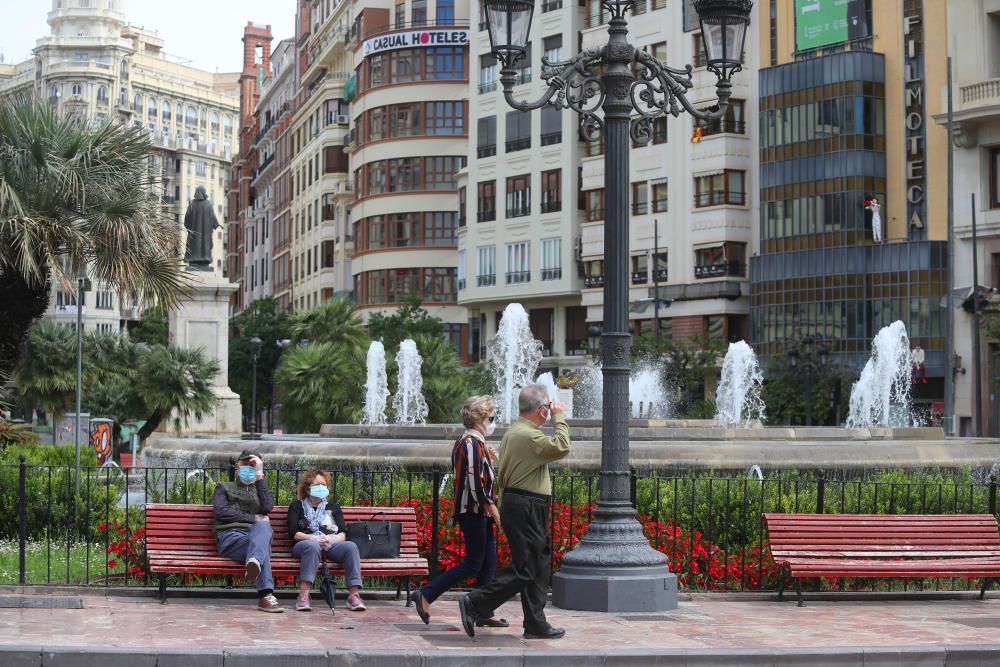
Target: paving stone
21, 656
972, 656
916, 656
376, 658
645, 658
552, 655
474, 658
289, 657
189, 658
97, 657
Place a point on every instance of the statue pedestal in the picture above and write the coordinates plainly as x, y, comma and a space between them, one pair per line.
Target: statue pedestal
201, 320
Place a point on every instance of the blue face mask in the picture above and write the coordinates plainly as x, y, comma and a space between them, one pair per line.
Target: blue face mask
248, 474
319, 491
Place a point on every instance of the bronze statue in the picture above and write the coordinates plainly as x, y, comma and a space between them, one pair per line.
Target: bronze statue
200, 222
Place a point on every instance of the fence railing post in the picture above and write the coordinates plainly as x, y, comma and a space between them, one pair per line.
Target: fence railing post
435, 506
820, 492
22, 519
993, 494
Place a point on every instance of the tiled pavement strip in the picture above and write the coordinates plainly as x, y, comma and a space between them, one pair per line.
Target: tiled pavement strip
706, 630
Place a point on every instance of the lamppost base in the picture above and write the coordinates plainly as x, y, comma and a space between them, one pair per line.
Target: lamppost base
626, 589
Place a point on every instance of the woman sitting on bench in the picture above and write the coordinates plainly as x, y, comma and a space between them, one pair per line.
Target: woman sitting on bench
317, 526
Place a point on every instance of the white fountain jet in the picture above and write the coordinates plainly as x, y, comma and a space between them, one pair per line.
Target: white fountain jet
737, 398
408, 403
881, 396
376, 386
512, 357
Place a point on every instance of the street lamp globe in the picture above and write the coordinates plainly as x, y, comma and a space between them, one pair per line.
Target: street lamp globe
255, 345
723, 30
508, 22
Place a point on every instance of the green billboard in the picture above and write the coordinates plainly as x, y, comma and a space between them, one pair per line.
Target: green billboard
820, 22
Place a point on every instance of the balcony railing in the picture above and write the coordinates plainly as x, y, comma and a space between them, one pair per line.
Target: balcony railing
486, 216
549, 138
659, 205
552, 274
546, 348
640, 277
577, 347
551, 206
523, 75
518, 144
593, 281
518, 277
551, 5
461, 284
733, 268
487, 87
594, 214
487, 280
518, 211
724, 126
660, 275
486, 151
703, 199
640, 208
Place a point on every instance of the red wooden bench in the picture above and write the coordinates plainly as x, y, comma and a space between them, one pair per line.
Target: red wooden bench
910, 546
180, 539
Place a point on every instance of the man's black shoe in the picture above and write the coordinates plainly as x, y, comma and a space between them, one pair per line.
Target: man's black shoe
551, 633
468, 618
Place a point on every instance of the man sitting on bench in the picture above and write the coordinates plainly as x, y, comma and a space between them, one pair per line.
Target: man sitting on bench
242, 529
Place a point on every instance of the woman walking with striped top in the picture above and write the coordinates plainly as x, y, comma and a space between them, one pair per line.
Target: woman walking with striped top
475, 509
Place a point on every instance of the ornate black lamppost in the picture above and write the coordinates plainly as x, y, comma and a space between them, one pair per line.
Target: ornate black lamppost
812, 365
614, 568
255, 346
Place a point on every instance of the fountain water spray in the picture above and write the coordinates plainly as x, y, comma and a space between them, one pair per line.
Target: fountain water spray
881, 396
547, 381
647, 395
376, 387
408, 403
737, 398
512, 357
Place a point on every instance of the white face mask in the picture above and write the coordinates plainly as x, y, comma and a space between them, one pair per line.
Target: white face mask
491, 427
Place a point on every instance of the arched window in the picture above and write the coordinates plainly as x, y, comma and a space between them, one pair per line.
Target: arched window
77, 89
192, 117
166, 110
124, 69
138, 103
204, 119
54, 91
179, 113
151, 109
227, 124
102, 94
215, 122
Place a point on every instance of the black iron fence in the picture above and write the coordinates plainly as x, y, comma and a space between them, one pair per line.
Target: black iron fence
709, 525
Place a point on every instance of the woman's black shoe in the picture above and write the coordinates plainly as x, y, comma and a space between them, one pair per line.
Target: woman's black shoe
551, 633
467, 615
418, 599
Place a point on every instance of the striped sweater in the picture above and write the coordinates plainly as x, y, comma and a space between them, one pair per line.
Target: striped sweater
474, 476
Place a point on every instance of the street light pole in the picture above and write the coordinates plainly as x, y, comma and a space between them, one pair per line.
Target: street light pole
81, 285
656, 283
255, 345
614, 568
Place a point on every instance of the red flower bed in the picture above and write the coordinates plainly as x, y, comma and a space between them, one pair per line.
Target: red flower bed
125, 546
697, 562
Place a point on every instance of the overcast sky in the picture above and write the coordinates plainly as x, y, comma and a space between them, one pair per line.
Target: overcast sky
205, 32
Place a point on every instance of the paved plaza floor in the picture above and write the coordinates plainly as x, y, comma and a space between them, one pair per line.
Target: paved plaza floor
83, 627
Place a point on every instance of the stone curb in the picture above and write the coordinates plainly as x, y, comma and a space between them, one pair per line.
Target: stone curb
920, 656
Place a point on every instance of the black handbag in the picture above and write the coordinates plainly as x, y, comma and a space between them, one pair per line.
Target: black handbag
376, 539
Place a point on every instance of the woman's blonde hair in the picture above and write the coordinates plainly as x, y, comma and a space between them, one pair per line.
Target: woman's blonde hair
307, 480
476, 409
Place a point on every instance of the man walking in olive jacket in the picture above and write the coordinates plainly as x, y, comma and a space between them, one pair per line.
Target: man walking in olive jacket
525, 491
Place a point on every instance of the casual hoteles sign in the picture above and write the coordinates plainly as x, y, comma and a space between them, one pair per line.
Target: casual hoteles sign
415, 39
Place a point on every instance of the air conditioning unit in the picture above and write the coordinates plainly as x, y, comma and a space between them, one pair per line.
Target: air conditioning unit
343, 119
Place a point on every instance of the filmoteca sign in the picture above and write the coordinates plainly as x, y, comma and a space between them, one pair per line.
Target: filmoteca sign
415, 39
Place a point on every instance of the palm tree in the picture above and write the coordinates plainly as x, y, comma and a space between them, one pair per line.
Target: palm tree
76, 194
333, 321
173, 380
320, 383
46, 376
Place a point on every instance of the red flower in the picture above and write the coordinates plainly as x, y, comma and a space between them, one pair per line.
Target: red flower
112, 563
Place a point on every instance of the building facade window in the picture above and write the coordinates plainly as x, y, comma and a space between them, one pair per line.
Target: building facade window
551, 126
518, 130
724, 189
518, 266
551, 191
418, 12
551, 260
461, 207
732, 122
486, 137
640, 198
103, 300
445, 118
408, 175
594, 205
486, 266
390, 286
995, 177
660, 196
460, 270
640, 269
660, 265
444, 12
518, 196
487, 73
552, 48
724, 259
486, 201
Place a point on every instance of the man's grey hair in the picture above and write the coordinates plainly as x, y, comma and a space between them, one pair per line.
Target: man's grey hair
531, 398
